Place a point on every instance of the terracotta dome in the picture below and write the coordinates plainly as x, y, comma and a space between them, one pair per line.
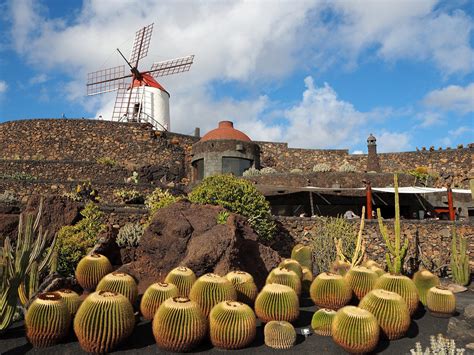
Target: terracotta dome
225, 130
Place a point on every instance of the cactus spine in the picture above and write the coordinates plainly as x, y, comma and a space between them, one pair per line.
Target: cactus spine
232, 325
209, 290
72, 299
361, 280
91, 269
424, 280
440, 301
47, 320
119, 282
244, 286
402, 285
284, 276
397, 252
355, 330
330, 291
103, 321
390, 310
459, 259
303, 255
279, 335
154, 296
292, 265
179, 325
183, 278
322, 321
277, 302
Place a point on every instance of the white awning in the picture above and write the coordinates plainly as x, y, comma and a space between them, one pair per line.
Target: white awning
419, 190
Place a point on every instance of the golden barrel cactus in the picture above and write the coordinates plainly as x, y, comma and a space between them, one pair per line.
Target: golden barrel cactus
279, 335
284, 276
340, 267
292, 265
119, 282
179, 325
154, 296
277, 302
402, 285
244, 286
91, 269
440, 301
183, 277
322, 321
232, 325
361, 280
303, 255
307, 280
424, 280
72, 299
47, 320
330, 291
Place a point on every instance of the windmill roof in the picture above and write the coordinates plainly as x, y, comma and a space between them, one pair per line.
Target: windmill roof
147, 80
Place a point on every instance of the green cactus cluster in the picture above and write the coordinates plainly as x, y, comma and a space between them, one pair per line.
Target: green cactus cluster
390, 310
47, 320
277, 302
154, 296
330, 291
183, 277
303, 254
440, 301
179, 325
361, 280
91, 269
424, 280
355, 330
459, 259
293, 265
244, 285
103, 321
284, 276
209, 290
72, 299
232, 325
119, 282
279, 335
322, 321
402, 285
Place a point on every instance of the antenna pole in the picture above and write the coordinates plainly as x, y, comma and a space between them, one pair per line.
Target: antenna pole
134, 70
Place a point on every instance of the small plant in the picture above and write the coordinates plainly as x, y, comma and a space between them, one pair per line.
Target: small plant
129, 235
8, 197
347, 168
459, 259
359, 250
322, 168
279, 335
160, 199
222, 217
296, 171
132, 179
303, 254
252, 172
18, 176
83, 192
106, 161
268, 171
441, 302
321, 321
438, 345
129, 196
277, 302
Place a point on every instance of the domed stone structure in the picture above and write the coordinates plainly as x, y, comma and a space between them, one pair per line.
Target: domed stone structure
224, 150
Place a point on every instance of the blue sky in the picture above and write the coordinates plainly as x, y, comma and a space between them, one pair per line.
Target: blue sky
315, 74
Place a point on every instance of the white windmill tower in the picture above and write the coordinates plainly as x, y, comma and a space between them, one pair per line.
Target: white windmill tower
143, 99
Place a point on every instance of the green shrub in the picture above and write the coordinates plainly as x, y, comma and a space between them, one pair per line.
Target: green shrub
268, 171
296, 171
106, 161
129, 235
347, 168
74, 242
252, 172
159, 199
222, 217
129, 196
321, 168
238, 196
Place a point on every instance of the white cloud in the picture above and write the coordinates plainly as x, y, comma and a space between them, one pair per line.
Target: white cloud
39, 79
392, 141
452, 98
3, 87
357, 152
429, 119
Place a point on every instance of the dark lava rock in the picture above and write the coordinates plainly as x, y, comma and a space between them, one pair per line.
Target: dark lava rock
107, 246
188, 234
8, 226
56, 282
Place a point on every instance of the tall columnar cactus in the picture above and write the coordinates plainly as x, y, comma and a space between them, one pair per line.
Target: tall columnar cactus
307, 280
183, 278
390, 310
47, 320
179, 325
119, 282
459, 259
232, 325
103, 320
19, 268
440, 301
244, 286
361, 280
72, 299
154, 296
322, 321
292, 265
209, 290
402, 285
424, 280
330, 291
355, 330
91, 269
279, 335
303, 254
277, 302
396, 252
284, 276
359, 250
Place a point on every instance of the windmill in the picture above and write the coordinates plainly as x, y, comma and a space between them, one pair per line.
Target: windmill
143, 99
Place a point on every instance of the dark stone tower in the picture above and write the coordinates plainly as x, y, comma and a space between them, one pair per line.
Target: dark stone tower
372, 157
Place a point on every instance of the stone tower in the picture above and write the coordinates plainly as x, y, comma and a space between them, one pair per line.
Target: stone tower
372, 157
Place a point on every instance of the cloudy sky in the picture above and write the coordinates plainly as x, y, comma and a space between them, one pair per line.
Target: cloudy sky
315, 74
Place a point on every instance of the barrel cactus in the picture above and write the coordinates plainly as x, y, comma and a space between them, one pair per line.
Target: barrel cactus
154, 296
47, 320
103, 320
91, 269
183, 278
340, 267
179, 325
244, 286
279, 335
361, 280
424, 280
307, 280
292, 265
402, 285
369, 263
330, 291
232, 325
209, 290
322, 321
379, 271
390, 310
277, 302
355, 329
303, 255
440, 301
286, 277
72, 299
119, 282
